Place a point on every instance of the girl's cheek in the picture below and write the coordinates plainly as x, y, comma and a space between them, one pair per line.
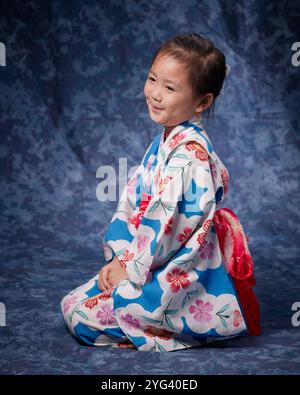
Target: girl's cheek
146, 89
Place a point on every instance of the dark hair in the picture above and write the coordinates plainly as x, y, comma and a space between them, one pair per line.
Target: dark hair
206, 65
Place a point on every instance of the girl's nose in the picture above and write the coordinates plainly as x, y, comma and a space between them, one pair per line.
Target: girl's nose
156, 95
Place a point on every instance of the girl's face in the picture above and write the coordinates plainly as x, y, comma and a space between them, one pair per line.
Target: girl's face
169, 94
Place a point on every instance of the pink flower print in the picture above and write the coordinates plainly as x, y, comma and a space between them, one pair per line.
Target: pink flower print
106, 315
182, 237
238, 318
142, 242
202, 310
150, 161
176, 140
178, 278
156, 177
168, 226
131, 184
206, 250
68, 302
130, 321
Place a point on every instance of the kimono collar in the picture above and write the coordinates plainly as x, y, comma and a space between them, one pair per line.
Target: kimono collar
189, 130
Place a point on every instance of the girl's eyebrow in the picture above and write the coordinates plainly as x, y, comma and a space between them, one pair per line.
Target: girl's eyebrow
152, 72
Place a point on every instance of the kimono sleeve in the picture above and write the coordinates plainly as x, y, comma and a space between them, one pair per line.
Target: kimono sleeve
124, 203
183, 200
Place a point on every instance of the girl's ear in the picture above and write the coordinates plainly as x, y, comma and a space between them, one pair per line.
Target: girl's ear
205, 102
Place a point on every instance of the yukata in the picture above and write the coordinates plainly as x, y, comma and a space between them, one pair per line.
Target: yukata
190, 273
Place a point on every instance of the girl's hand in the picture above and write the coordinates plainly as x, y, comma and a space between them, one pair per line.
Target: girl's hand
103, 282
116, 275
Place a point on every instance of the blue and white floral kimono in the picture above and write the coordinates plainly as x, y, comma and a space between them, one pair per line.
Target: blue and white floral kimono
179, 293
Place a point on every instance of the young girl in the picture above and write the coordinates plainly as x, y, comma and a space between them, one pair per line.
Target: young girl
179, 272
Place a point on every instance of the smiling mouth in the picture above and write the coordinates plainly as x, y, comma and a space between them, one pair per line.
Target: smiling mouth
155, 108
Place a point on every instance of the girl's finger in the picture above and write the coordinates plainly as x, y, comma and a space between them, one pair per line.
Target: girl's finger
99, 284
100, 281
105, 279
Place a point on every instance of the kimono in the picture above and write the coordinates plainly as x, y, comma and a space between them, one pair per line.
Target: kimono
190, 272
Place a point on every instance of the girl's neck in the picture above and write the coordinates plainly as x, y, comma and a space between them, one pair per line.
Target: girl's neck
168, 130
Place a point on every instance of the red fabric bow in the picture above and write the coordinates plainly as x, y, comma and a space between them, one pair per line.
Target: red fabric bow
237, 258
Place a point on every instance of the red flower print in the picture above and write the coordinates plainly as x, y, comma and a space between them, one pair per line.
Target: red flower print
168, 226
206, 250
182, 237
130, 321
145, 200
162, 334
201, 237
91, 303
126, 345
201, 310
178, 278
106, 294
225, 178
136, 219
127, 256
206, 224
176, 140
200, 151
131, 184
238, 318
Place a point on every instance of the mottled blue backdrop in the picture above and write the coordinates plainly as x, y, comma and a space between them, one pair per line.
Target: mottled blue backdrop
71, 100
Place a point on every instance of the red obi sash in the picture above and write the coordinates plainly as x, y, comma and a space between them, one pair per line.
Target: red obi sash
238, 261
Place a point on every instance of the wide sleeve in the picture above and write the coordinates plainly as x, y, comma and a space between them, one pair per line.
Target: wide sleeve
184, 198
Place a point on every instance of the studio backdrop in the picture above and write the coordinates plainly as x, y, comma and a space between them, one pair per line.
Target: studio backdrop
71, 101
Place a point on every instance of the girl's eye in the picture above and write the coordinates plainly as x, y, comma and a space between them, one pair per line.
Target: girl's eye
168, 87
